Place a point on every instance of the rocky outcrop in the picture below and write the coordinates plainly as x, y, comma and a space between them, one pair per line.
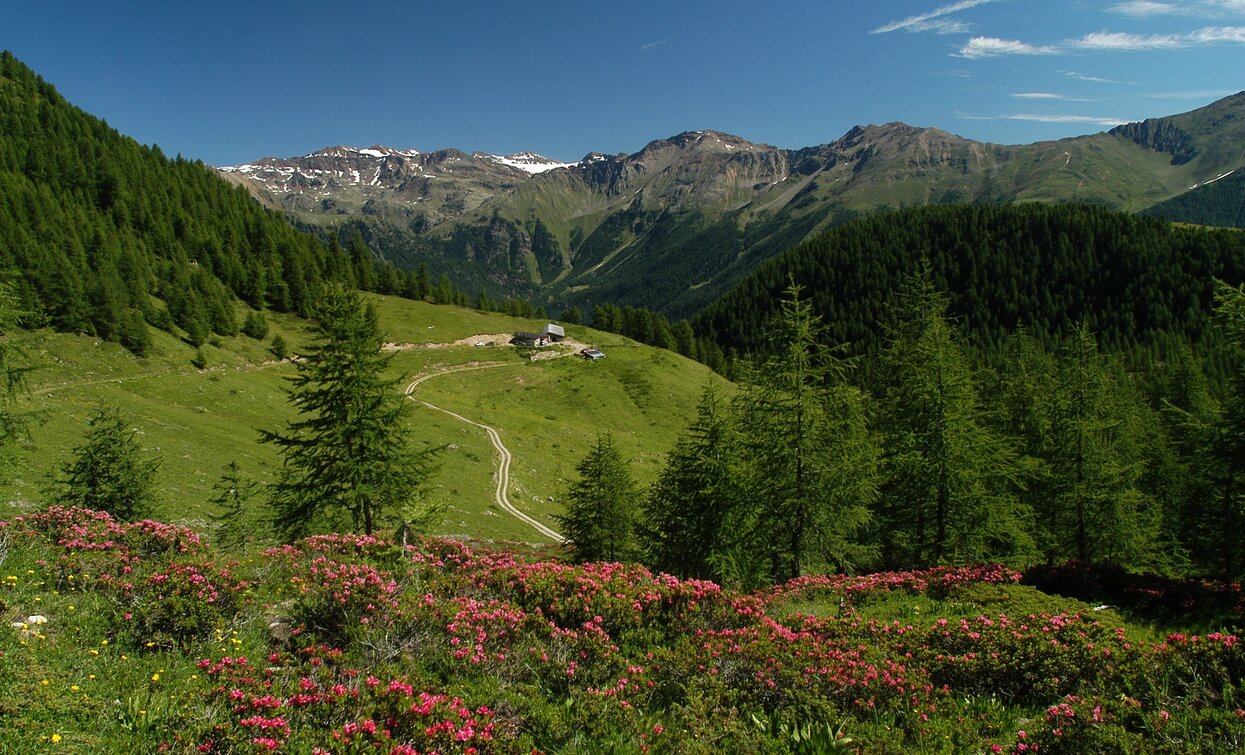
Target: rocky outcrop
1161, 135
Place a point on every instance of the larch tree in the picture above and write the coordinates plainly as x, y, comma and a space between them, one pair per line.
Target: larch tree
951, 480
1212, 435
812, 459
1099, 508
232, 498
348, 459
601, 505
691, 525
14, 366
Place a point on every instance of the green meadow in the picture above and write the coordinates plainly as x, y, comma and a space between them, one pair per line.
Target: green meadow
547, 411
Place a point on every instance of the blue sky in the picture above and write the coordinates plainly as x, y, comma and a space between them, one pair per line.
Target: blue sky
228, 82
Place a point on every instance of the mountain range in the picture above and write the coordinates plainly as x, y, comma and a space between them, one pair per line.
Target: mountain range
675, 224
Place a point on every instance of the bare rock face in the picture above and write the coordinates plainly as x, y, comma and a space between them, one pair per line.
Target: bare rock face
280, 623
1160, 135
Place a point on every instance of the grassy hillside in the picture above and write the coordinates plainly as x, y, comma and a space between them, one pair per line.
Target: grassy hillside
197, 421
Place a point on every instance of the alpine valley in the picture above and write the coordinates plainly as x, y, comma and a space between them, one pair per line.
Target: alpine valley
676, 224
965, 477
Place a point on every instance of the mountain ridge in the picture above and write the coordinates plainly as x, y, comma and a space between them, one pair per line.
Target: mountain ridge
680, 219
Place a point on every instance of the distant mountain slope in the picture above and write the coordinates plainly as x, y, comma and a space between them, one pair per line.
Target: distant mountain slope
1043, 267
677, 223
1218, 202
105, 236
379, 181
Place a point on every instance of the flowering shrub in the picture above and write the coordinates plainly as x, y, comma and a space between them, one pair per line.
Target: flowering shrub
335, 598
74, 528
180, 603
271, 709
353, 644
1033, 658
774, 668
1192, 670
938, 581
1086, 724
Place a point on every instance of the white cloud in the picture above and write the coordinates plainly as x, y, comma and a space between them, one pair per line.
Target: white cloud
1114, 41
1093, 79
988, 47
1228, 6
1213, 34
1144, 8
1118, 40
1048, 96
1204, 8
650, 45
933, 20
1125, 41
1045, 118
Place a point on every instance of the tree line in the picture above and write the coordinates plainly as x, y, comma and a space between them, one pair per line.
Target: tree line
1053, 453
1140, 284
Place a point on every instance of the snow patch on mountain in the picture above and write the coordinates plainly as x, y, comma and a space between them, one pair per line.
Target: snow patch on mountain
1211, 181
529, 162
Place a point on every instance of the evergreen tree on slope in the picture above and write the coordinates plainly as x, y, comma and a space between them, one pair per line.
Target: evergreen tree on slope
600, 509
348, 458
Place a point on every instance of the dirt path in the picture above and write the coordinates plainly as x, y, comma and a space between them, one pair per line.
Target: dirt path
503, 453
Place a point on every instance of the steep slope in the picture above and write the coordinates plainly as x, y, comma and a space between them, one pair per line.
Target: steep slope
105, 236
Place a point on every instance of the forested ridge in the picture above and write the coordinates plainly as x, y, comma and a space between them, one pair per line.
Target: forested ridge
1220, 203
1132, 280
102, 235
1037, 383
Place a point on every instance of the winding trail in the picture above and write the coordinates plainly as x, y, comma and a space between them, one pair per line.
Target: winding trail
503, 453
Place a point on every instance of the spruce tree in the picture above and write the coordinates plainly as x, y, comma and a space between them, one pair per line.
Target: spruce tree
600, 506
108, 471
348, 460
